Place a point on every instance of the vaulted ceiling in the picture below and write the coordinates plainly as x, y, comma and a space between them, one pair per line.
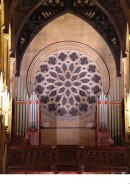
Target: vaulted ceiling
108, 17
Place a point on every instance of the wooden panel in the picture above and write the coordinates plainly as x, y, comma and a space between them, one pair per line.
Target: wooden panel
67, 158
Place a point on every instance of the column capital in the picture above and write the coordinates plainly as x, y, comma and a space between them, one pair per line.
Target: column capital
10, 51
127, 52
6, 35
3, 27
12, 59
124, 59
129, 37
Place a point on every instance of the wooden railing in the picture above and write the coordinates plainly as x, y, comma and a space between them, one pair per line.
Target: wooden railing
67, 158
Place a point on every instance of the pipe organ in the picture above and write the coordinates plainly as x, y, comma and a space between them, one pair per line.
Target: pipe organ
27, 112
109, 116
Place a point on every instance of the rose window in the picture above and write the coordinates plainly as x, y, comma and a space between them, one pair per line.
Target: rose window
68, 84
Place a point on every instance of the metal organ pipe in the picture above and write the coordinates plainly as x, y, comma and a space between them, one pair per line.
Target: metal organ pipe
115, 114
26, 117
21, 110
36, 119
118, 110
26, 110
105, 112
18, 107
34, 109
32, 103
112, 116
102, 118
109, 115
100, 113
24, 113
31, 119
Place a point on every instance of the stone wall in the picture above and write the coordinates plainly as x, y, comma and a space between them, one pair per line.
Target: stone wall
68, 28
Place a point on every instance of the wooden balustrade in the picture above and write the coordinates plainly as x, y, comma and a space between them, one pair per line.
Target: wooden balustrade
67, 158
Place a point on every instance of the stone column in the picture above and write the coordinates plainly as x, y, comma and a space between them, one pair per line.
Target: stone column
6, 59
0, 34
12, 60
2, 27
125, 86
1, 146
124, 75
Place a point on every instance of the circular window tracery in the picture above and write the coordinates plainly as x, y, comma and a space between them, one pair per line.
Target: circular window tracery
68, 84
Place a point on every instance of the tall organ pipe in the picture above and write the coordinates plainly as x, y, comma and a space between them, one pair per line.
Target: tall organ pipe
21, 110
18, 107
24, 112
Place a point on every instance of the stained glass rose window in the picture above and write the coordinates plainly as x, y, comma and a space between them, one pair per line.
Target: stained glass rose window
68, 84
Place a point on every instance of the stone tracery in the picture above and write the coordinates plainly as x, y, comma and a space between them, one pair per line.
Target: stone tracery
68, 83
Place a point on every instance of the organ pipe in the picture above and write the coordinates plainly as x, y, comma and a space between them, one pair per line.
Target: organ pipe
112, 115
21, 109
110, 112
26, 110
115, 114
26, 117
31, 116
102, 112
24, 113
118, 111
109, 115
18, 107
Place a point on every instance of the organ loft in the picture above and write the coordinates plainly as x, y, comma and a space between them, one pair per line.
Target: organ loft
64, 86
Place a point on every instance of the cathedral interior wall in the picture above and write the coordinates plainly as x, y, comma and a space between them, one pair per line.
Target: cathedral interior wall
68, 28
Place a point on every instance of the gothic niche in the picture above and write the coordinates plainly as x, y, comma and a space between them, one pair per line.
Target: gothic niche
68, 84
